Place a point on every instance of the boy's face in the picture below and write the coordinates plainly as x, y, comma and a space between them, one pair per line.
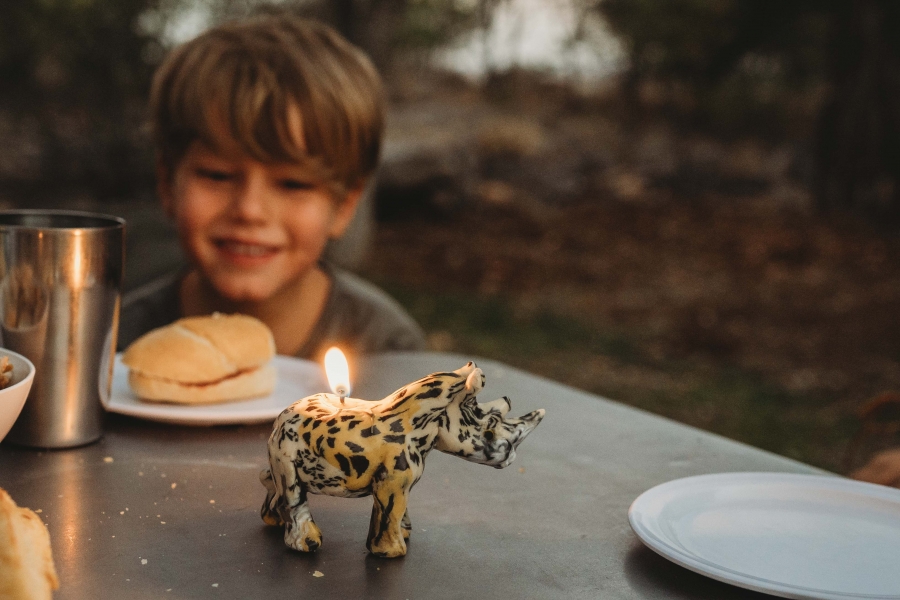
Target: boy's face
251, 229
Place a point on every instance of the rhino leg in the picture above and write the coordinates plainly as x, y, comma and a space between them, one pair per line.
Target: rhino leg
300, 531
269, 511
387, 538
406, 525
291, 503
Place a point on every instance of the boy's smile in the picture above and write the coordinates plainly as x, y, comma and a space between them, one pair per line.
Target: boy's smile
245, 253
253, 230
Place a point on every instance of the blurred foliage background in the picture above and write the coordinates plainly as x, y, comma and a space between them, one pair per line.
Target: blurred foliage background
75, 75
688, 205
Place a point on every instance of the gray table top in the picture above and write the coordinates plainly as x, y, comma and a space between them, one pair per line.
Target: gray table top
163, 511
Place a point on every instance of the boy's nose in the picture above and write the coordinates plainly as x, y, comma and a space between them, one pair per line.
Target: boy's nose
248, 200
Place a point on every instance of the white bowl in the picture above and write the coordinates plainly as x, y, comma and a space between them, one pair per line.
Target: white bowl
12, 397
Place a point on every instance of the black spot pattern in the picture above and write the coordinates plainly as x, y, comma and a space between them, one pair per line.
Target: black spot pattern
432, 393
400, 463
369, 431
344, 463
360, 463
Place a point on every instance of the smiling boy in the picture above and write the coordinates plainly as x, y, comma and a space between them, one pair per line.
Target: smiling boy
266, 132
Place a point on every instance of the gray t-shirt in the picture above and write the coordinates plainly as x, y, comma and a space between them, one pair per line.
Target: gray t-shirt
358, 317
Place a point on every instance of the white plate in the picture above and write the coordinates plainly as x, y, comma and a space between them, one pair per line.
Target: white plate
297, 379
794, 536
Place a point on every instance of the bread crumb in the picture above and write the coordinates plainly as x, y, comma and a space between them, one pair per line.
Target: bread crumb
174, 485
38, 511
318, 574
143, 561
215, 585
212, 501
107, 459
521, 469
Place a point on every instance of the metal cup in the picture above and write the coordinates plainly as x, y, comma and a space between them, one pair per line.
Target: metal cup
60, 291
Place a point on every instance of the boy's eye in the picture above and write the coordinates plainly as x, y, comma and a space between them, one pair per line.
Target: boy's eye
297, 184
214, 174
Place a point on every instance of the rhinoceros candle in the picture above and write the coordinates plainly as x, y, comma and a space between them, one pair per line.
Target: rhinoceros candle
326, 444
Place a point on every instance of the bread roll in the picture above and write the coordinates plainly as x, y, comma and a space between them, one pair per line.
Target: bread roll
26, 563
202, 360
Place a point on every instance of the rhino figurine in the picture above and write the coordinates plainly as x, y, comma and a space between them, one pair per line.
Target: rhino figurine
352, 448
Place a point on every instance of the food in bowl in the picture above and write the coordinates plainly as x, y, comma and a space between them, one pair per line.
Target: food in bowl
203, 360
15, 392
6, 372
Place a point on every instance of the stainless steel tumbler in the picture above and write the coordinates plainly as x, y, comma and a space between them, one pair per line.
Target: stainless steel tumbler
60, 290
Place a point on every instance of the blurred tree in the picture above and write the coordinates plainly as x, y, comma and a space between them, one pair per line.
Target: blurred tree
859, 135
826, 70
74, 73
387, 29
74, 77
706, 54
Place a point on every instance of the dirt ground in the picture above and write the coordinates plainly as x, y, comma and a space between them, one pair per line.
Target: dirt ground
804, 309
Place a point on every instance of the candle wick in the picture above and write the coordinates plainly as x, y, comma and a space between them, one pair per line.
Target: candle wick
341, 391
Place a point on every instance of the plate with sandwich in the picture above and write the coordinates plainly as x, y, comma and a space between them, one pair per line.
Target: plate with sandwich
210, 370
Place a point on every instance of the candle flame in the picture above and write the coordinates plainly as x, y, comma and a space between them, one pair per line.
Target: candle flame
337, 371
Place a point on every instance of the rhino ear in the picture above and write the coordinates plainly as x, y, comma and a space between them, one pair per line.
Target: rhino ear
466, 369
500, 406
475, 381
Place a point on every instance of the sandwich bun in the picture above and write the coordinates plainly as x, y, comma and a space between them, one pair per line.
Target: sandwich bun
202, 360
26, 562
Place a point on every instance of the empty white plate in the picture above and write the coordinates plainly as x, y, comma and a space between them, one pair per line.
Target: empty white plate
795, 536
297, 379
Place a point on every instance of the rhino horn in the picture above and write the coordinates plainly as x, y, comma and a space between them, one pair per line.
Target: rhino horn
528, 423
500, 406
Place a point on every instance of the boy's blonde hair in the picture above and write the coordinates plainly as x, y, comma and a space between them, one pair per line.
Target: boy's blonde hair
245, 85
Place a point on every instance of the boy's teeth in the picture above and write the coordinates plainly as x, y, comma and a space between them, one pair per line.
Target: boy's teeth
246, 249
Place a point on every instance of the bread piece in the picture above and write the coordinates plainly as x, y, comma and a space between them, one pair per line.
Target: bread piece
202, 349
177, 354
202, 360
247, 384
246, 342
26, 563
